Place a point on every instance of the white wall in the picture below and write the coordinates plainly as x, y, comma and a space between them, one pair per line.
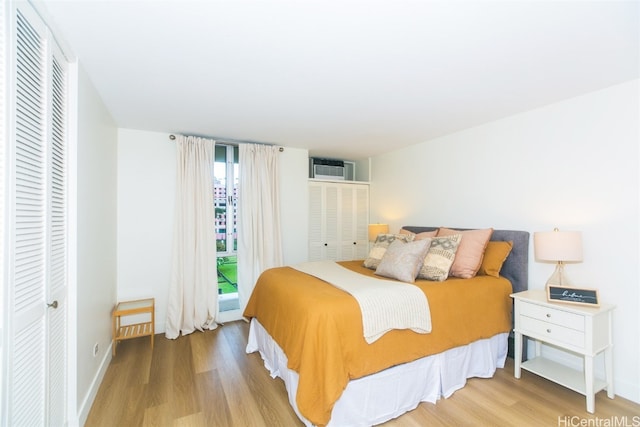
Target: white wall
96, 240
294, 199
572, 165
146, 191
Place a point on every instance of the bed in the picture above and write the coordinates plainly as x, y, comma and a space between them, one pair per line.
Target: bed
310, 334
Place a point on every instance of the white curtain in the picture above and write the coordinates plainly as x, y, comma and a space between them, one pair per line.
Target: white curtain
193, 292
259, 238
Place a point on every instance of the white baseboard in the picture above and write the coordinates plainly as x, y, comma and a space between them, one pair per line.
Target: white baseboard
87, 402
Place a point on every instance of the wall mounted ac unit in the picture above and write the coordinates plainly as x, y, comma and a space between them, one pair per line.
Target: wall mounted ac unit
337, 170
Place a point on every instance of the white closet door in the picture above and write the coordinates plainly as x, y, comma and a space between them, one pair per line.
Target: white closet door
332, 224
36, 357
361, 215
4, 245
354, 216
338, 220
324, 220
27, 337
316, 222
57, 242
347, 222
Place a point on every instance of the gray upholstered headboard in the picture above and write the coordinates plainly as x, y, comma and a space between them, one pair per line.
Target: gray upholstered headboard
516, 267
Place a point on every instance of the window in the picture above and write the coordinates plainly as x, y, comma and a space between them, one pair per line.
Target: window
225, 171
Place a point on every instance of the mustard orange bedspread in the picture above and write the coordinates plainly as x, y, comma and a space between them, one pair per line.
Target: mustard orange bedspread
319, 328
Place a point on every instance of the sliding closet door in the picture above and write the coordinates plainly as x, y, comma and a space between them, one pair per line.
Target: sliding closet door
36, 382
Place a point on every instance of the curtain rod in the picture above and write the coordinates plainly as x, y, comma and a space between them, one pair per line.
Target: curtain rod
223, 140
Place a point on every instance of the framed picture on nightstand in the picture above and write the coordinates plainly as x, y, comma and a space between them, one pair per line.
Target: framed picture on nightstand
573, 295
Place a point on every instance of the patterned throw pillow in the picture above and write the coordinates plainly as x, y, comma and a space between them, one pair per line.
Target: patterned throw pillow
420, 236
439, 259
402, 260
380, 247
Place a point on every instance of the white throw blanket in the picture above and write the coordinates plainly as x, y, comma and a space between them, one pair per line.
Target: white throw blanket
385, 304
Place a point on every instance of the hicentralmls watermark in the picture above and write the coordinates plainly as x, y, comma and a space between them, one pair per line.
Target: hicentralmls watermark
613, 421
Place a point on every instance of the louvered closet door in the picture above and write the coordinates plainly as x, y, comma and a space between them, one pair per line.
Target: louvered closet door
316, 222
323, 221
57, 242
4, 245
331, 212
354, 215
361, 215
347, 223
37, 374
338, 220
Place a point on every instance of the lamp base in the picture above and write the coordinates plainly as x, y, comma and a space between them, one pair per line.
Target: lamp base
558, 278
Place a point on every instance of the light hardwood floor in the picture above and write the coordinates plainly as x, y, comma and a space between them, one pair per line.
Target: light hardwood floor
207, 379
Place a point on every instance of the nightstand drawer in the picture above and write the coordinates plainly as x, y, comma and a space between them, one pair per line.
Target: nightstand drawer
552, 315
551, 332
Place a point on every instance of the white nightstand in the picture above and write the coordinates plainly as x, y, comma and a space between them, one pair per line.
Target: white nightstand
585, 331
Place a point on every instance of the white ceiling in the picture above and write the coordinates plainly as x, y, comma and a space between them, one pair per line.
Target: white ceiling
342, 78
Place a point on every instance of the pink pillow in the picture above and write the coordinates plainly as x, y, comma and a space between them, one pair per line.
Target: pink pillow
470, 252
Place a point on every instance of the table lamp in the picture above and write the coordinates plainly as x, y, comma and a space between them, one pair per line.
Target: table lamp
375, 229
559, 247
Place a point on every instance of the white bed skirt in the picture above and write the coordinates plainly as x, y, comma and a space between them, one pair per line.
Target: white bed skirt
380, 397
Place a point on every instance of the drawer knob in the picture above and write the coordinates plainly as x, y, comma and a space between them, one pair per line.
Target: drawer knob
548, 331
548, 314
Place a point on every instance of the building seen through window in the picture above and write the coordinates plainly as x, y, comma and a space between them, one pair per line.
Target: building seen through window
225, 192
